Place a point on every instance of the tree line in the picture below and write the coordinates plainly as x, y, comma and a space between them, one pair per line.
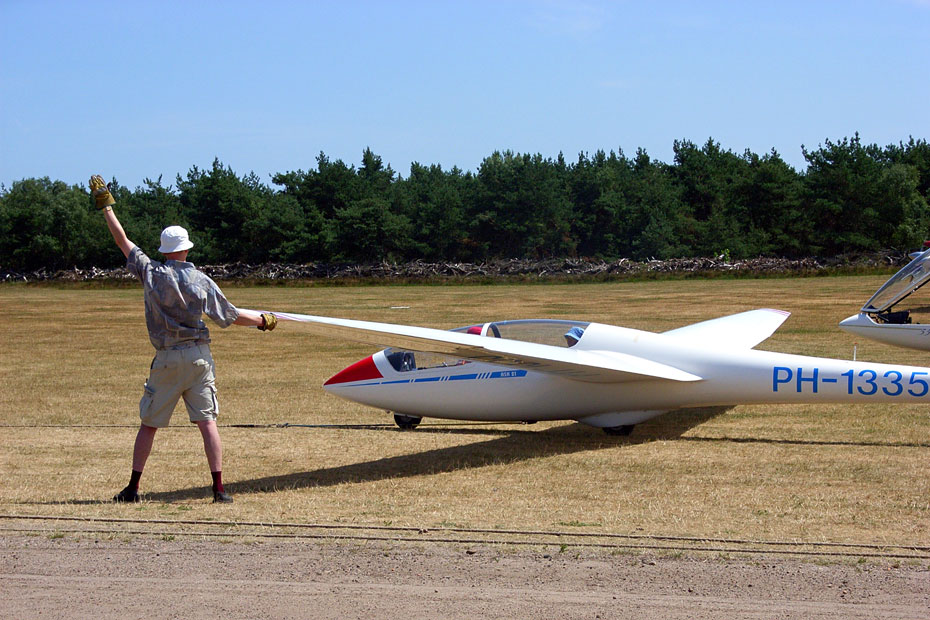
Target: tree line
851, 197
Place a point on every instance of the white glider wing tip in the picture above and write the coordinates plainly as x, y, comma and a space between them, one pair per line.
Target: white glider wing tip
736, 331
581, 365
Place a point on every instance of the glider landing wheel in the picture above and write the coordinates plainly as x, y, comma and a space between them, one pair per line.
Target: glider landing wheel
622, 431
406, 422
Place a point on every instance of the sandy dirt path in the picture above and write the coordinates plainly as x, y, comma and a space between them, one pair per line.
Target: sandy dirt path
43, 577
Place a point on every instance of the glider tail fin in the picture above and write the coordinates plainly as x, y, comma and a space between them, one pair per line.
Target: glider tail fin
737, 331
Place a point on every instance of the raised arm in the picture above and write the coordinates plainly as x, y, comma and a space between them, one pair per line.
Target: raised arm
105, 202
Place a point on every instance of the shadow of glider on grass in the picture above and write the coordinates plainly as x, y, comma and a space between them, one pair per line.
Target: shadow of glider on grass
600, 375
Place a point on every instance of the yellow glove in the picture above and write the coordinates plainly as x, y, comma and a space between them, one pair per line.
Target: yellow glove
100, 192
269, 321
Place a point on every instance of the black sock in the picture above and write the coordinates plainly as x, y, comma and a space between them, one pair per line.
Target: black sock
134, 480
217, 481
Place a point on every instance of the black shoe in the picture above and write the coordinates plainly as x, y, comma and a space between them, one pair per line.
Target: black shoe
127, 496
220, 497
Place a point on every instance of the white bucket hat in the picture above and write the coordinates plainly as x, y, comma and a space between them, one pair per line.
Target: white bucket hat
174, 239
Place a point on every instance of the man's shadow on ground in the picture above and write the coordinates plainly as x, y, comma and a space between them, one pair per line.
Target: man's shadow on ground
506, 446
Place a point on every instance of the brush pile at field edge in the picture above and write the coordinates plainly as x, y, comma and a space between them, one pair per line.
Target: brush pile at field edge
559, 269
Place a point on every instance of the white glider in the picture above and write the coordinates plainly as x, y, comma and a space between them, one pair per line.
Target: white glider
602, 375
877, 319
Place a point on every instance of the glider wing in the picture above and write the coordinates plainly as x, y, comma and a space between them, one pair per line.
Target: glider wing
594, 366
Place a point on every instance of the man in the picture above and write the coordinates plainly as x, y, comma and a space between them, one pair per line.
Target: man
177, 294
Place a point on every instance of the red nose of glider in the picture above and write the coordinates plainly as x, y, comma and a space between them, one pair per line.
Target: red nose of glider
359, 371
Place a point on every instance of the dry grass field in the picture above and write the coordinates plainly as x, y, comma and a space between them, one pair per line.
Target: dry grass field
74, 360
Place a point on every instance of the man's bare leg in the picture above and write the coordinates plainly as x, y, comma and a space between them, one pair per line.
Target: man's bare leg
140, 454
214, 449
143, 447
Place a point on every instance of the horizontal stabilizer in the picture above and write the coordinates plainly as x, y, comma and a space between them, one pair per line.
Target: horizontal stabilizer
595, 366
737, 331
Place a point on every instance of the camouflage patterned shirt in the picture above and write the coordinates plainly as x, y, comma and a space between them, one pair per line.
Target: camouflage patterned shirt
177, 295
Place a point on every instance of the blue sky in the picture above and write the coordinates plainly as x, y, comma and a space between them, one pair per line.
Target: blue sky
142, 89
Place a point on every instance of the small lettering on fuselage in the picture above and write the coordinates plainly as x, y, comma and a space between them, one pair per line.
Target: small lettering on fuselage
480, 376
866, 382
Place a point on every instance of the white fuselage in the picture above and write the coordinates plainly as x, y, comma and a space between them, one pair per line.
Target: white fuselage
909, 335
488, 392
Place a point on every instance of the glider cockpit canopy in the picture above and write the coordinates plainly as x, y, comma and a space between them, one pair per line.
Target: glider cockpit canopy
556, 332
911, 277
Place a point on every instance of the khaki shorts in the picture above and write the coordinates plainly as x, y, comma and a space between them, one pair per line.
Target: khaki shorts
180, 373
